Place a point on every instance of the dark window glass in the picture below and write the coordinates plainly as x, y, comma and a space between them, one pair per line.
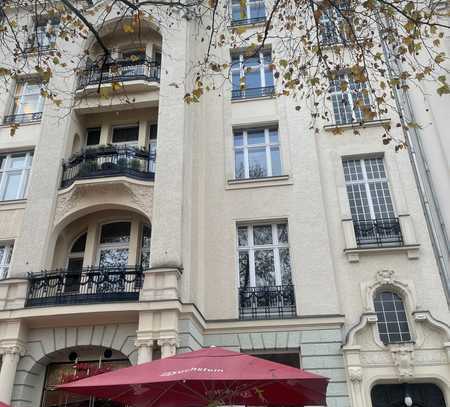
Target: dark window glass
393, 395
125, 134
392, 321
153, 131
80, 244
93, 136
289, 359
118, 232
158, 57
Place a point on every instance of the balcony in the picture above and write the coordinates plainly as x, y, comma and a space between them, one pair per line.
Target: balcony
122, 70
381, 232
86, 286
252, 93
108, 161
267, 302
22, 118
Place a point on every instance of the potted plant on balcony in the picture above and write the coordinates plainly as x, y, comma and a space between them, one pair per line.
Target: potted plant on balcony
87, 168
135, 165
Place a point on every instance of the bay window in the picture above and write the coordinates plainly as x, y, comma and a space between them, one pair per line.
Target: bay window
264, 267
14, 174
5, 258
349, 98
256, 153
252, 76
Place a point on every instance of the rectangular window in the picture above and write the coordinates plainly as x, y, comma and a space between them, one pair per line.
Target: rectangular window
45, 32
285, 358
152, 147
370, 202
252, 75
28, 103
14, 173
264, 267
5, 258
128, 134
334, 22
93, 136
248, 12
350, 98
256, 153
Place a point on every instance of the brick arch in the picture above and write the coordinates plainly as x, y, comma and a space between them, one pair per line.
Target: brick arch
43, 344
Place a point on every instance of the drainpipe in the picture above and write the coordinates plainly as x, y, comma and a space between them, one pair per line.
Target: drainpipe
416, 154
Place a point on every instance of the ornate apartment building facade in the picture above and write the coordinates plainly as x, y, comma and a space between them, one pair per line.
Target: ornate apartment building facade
132, 231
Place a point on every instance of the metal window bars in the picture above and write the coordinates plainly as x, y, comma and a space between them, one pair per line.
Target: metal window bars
380, 232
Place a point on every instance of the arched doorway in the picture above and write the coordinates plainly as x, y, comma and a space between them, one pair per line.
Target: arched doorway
407, 395
76, 363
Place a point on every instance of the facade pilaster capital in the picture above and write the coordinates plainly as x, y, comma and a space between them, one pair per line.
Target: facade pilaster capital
167, 342
17, 349
144, 343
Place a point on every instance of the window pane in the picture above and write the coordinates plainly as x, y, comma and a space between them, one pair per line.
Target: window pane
29, 104
93, 136
273, 136
113, 258
262, 234
268, 76
118, 232
252, 79
125, 134
145, 246
238, 139
239, 164
282, 233
276, 160
264, 268
285, 266
80, 244
256, 137
17, 162
242, 236
12, 186
257, 9
236, 79
257, 165
244, 269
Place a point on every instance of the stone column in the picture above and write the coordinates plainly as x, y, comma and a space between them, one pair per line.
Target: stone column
168, 347
145, 351
10, 359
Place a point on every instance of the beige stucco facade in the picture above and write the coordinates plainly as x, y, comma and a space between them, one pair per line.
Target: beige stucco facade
189, 297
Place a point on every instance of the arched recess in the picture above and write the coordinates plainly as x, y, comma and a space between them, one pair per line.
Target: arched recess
54, 345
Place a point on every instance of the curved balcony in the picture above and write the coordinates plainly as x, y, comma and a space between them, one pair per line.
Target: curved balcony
85, 286
108, 161
121, 70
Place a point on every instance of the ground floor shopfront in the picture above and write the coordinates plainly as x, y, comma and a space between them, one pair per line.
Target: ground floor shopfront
36, 358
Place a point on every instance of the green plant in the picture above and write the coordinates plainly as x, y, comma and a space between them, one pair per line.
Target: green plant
88, 167
135, 164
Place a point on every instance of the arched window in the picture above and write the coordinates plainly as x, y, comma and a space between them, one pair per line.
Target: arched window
392, 322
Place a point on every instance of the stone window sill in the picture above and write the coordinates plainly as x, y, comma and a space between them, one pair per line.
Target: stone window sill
355, 125
412, 251
258, 182
252, 99
12, 204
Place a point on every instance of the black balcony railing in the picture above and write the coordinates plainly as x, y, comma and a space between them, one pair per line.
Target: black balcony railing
120, 71
248, 21
380, 232
22, 118
108, 161
251, 93
268, 302
89, 285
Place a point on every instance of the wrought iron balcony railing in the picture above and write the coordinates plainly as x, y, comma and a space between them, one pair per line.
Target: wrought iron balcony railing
22, 118
379, 232
120, 71
108, 161
88, 285
251, 93
248, 21
267, 302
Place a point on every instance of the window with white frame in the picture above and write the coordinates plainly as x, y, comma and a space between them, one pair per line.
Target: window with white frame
114, 244
368, 189
392, 321
28, 99
263, 255
252, 76
46, 29
334, 22
5, 258
14, 174
249, 11
152, 146
256, 153
349, 98
145, 246
125, 134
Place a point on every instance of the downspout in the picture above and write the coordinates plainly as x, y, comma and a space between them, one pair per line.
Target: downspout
405, 110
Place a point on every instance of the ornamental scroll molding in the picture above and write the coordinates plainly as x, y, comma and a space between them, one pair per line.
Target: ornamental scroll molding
120, 192
403, 357
355, 374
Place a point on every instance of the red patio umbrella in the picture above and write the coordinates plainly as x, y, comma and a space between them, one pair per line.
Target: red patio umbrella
207, 377
3, 404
